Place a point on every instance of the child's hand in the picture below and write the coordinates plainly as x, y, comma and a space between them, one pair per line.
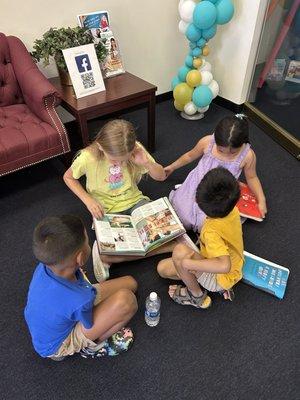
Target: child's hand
139, 156
169, 170
95, 208
263, 208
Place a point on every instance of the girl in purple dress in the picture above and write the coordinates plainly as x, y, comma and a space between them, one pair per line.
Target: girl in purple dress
228, 147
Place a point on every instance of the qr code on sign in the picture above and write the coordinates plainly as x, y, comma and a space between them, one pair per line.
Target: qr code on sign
88, 80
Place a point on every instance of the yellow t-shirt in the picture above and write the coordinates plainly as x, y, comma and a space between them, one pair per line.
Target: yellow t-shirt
110, 184
221, 237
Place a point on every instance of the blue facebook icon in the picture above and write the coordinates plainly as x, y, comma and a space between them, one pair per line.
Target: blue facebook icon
83, 63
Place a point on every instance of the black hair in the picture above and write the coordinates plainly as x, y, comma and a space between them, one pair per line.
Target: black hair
217, 193
56, 238
232, 131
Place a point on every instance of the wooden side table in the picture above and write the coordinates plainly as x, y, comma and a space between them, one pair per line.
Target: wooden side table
122, 92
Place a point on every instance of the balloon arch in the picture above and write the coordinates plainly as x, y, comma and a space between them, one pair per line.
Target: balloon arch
194, 87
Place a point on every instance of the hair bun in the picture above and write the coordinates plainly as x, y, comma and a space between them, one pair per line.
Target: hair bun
241, 116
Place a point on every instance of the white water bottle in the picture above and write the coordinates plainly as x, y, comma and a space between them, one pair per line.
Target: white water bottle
152, 312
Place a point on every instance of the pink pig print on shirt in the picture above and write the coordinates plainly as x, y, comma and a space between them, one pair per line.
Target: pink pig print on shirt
115, 178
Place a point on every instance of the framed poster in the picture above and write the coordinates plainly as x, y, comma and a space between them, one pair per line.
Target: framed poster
84, 70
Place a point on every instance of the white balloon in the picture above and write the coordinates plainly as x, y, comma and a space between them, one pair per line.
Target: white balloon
186, 10
214, 87
205, 67
180, 4
206, 77
183, 26
190, 108
202, 110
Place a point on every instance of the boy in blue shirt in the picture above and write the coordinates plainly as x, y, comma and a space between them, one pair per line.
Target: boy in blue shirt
65, 314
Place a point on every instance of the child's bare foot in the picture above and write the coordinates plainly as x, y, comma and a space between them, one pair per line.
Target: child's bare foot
183, 296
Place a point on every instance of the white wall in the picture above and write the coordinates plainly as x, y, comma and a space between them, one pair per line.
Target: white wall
234, 49
151, 45
150, 42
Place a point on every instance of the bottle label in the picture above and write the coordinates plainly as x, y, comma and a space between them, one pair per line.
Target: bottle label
152, 314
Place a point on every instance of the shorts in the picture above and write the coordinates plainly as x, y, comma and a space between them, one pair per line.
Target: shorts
209, 282
76, 340
140, 203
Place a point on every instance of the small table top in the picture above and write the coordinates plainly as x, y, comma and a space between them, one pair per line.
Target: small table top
121, 87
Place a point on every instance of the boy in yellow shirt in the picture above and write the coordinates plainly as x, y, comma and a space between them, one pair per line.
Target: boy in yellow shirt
218, 267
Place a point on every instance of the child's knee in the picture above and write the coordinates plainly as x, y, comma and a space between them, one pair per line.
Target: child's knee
180, 252
131, 283
162, 269
126, 302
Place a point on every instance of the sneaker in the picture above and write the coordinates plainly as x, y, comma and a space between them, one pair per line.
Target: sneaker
118, 343
101, 269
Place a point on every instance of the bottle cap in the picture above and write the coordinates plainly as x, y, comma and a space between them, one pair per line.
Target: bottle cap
153, 296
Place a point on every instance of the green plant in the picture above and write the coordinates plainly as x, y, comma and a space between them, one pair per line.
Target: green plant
55, 40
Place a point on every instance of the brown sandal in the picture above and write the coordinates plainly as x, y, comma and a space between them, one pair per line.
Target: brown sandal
188, 299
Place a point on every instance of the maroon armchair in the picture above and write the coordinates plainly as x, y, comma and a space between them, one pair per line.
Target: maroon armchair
30, 129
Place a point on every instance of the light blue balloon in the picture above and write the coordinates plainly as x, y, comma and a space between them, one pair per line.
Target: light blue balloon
182, 72
197, 52
210, 32
192, 45
202, 96
205, 14
193, 33
225, 11
191, 53
189, 61
175, 82
201, 42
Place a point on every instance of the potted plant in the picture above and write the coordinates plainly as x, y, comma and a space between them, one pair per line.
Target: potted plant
55, 40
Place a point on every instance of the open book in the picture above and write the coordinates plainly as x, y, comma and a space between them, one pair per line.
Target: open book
265, 275
247, 204
147, 228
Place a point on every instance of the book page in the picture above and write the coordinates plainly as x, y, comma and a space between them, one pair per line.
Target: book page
116, 233
156, 223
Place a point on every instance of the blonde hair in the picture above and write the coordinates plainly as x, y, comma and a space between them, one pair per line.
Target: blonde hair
117, 138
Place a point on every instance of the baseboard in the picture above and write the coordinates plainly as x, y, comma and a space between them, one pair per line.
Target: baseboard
220, 101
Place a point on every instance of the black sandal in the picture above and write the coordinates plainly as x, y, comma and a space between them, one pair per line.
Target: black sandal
188, 299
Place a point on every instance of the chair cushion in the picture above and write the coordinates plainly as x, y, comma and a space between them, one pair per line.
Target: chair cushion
23, 134
10, 92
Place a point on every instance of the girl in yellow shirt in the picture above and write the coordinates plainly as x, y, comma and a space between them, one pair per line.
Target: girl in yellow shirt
113, 166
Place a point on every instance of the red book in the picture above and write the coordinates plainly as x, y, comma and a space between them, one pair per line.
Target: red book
247, 204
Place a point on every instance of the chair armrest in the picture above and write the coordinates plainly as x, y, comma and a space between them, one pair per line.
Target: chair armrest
34, 86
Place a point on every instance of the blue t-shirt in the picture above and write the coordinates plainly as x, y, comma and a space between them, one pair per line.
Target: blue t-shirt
54, 306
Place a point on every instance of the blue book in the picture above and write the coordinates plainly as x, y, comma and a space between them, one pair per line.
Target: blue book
265, 275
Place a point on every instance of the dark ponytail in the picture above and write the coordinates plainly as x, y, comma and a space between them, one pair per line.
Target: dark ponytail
232, 131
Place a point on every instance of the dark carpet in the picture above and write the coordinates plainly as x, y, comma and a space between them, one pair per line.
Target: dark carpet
248, 349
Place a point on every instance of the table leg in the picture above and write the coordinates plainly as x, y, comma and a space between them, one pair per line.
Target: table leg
83, 129
151, 123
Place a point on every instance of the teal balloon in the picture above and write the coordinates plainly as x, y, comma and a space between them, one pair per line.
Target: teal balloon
191, 53
193, 33
205, 14
201, 42
192, 45
182, 72
202, 96
213, 1
197, 52
210, 32
175, 82
225, 11
189, 61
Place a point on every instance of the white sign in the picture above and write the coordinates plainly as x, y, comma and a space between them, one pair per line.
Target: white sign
84, 70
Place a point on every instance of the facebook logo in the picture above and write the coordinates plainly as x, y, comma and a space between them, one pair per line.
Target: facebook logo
83, 63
